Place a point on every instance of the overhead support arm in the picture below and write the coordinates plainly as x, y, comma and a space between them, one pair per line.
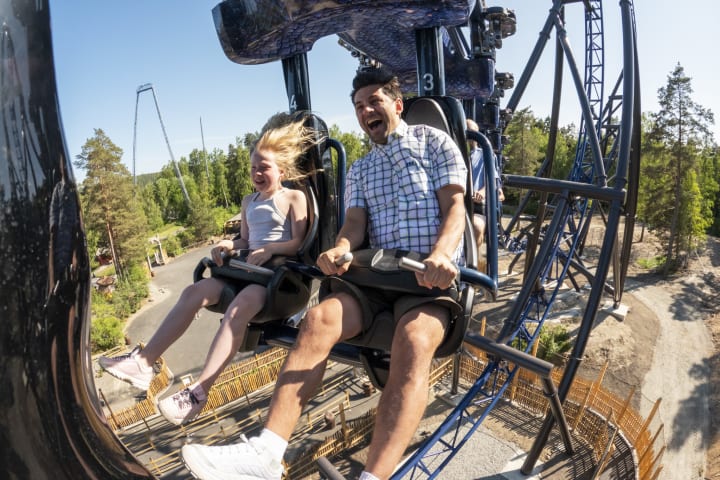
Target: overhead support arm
297, 83
430, 62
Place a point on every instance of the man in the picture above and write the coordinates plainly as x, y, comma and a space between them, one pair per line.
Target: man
479, 190
406, 193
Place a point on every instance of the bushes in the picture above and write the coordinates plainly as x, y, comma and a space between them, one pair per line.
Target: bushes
172, 246
185, 238
553, 342
110, 309
106, 331
105, 334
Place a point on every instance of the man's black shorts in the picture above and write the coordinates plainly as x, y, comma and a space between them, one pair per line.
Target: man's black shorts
386, 304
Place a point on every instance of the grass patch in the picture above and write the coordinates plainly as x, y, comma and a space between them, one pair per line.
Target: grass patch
651, 263
169, 231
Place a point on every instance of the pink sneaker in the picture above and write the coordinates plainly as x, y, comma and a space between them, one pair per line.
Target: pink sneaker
126, 367
183, 406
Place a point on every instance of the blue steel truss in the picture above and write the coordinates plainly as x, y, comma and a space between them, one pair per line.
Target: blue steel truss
557, 255
393, 33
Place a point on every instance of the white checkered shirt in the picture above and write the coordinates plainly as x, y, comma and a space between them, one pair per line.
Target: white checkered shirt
396, 184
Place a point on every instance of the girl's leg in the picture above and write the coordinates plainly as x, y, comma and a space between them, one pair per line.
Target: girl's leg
193, 298
231, 333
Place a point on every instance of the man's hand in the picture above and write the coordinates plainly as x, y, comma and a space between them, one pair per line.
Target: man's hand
440, 272
334, 261
479, 196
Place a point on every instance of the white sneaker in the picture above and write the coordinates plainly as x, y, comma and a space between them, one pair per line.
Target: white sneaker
246, 460
126, 367
183, 406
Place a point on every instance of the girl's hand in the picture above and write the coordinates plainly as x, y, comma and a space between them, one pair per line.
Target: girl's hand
223, 248
259, 256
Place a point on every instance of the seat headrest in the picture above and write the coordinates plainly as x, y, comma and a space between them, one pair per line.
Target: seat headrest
427, 111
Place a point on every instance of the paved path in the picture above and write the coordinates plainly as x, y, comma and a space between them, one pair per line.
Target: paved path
187, 355
679, 375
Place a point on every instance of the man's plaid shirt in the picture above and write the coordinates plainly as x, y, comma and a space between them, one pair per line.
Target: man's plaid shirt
396, 184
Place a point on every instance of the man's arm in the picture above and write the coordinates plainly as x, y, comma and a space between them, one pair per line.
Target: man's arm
441, 270
351, 236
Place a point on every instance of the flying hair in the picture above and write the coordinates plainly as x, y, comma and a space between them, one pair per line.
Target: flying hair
288, 141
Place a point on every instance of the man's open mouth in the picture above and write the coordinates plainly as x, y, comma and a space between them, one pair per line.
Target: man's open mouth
373, 124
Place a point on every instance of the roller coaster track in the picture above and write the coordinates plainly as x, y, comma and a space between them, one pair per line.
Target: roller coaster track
47, 370
559, 230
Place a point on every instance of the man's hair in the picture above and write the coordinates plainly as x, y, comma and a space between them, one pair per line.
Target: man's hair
376, 76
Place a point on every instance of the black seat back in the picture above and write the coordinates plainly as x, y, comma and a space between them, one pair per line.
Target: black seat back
447, 114
288, 292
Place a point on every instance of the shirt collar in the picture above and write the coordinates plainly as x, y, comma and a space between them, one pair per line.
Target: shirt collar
400, 131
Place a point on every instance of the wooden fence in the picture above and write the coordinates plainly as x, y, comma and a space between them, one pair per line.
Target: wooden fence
237, 381
593, 413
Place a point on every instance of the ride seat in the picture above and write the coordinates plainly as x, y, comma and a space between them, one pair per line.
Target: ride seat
446, 114
371, 350
288, 291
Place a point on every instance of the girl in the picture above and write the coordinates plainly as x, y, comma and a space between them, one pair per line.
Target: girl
274, 222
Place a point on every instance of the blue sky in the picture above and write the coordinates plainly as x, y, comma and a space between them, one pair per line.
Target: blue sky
105, 50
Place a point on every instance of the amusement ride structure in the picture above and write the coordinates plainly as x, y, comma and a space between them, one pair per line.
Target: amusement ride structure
444, 52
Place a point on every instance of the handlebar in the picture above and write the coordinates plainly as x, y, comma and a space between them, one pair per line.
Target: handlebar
467, 275
328, 470
235, 263
266, 272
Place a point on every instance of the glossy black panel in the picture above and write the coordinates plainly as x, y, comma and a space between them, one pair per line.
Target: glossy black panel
51, 423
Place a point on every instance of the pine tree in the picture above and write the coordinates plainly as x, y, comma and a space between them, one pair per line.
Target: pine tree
355, 144
524, 153
109, 203
678, 134
238, 168
202, 223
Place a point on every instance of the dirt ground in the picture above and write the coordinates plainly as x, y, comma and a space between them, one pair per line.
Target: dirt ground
690, 294
668, 348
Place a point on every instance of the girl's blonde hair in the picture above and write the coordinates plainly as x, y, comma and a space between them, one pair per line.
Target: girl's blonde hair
288, 139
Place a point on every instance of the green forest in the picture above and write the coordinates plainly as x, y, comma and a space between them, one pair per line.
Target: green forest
678, 199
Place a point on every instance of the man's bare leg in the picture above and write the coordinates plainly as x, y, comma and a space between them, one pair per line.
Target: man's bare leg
405, 396
334, 319
479, 231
